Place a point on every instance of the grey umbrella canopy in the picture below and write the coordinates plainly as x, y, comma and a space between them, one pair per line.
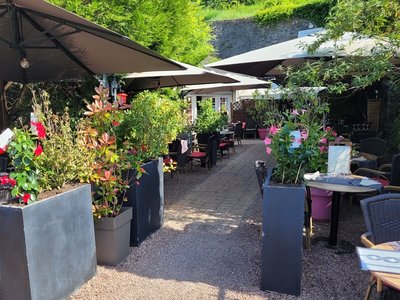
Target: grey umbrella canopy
263, 62
157, 79
243, 82
60, 45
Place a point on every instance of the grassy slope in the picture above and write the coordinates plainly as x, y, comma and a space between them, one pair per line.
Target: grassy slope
266, 10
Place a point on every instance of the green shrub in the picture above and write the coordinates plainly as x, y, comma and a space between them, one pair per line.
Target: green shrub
208, 120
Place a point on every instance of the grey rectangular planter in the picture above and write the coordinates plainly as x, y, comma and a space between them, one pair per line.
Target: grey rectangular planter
47, 248
112, 237
282, 238
147, 202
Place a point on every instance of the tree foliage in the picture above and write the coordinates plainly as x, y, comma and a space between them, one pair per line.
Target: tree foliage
173, 28
376, 19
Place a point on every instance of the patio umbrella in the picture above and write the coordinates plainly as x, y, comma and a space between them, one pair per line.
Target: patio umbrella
157, 79
243, 82
263, 62
43, 42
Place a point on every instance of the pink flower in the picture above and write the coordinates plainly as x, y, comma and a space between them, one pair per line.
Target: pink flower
267, 141
273, 130
328, 129
298, 141
268, 150
334, 133
304, 135
38, 150
295, 112
303, 111
323, 141
322, 149
2, 150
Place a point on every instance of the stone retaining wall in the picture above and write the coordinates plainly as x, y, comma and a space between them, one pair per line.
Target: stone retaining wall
234, 37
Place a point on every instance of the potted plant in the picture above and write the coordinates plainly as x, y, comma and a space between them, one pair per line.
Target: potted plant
110, 164
265, 112
292, 145
147, 127
207, 123
52, 239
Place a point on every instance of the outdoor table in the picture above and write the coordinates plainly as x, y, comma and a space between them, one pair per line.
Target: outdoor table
338, 185
389, 279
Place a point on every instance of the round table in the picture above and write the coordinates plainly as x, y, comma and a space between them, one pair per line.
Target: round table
337, 189
389, 279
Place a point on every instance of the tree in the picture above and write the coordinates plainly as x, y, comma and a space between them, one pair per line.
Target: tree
378, 19
173, 28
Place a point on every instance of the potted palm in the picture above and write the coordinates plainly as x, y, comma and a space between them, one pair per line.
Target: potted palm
47, 236
293, 145
147, 127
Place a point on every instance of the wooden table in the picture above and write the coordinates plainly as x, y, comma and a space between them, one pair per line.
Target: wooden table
337, 189
389, 279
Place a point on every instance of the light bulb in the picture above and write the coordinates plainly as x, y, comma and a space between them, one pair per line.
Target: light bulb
24, 63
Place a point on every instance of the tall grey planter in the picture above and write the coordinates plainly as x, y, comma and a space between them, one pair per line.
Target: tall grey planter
282, 238
147, 202
112, 237
47, 249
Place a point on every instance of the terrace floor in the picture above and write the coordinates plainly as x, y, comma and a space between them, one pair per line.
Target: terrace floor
209, 246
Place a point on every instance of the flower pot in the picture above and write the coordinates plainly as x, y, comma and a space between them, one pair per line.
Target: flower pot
47, 248
112, 237
321, 204
282, 238
147, 202
262, 133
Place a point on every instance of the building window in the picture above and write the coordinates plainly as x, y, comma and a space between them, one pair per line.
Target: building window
223, 104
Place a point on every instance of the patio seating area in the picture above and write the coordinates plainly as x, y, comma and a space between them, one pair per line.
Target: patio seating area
210, 244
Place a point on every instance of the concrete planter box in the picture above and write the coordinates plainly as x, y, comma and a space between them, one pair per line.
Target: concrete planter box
147, 202
112, 238
282, 238
47, 248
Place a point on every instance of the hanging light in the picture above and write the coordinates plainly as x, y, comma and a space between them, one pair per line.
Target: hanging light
24, 63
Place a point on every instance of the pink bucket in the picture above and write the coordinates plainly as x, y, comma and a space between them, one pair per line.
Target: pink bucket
321, 204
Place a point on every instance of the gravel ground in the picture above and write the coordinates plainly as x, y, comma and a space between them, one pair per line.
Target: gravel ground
199, 257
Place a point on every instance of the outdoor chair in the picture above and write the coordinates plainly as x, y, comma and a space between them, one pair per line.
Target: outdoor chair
222, 145
250, 127
239, 133
374, 146
230, 139
202, 153
387, 174
381, 215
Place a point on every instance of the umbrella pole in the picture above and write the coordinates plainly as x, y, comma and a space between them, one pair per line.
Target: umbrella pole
3, 107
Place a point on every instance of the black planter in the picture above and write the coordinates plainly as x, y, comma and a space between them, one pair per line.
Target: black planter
47, 248
112, 238
282, 239
147, 202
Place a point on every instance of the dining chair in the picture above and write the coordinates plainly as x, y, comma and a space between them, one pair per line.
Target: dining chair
222, 145
239, 133
250, 127
375, 146
202, 153
381, 215
387, 174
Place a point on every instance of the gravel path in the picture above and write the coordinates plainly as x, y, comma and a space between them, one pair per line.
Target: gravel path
209, 246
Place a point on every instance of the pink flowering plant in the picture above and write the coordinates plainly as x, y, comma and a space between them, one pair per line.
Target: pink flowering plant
295, 145
24, 151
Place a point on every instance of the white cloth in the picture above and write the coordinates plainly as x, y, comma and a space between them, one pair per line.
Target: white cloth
184, 146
